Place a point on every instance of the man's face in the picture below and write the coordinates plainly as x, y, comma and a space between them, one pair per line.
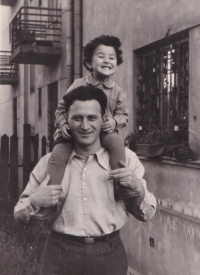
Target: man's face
85, 121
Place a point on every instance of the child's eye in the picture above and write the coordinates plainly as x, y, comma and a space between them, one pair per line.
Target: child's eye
100, 56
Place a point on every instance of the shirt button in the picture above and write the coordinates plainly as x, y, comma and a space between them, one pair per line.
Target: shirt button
84, 183
84, 199
85, 169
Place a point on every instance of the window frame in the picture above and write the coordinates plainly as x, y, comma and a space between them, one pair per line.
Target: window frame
147, 119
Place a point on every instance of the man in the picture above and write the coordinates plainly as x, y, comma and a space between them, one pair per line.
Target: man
84, 239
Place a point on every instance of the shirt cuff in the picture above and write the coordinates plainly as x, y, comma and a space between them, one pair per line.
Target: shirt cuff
23, 211
116, 122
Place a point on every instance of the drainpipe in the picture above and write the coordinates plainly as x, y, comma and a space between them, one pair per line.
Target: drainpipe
26, 90
77, 38
69, 43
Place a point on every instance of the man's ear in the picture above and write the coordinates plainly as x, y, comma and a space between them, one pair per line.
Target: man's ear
67, 123
67, 126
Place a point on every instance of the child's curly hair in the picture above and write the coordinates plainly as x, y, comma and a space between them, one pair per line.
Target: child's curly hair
107, 40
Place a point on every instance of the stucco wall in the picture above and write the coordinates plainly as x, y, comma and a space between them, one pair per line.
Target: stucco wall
176, 242
194, 84
176, 226
176, 236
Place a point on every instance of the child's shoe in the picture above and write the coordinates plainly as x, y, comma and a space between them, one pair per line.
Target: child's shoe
122, 192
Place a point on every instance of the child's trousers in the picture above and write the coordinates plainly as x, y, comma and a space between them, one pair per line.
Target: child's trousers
62, 151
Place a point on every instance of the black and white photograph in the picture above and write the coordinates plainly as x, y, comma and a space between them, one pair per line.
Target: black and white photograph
99, 137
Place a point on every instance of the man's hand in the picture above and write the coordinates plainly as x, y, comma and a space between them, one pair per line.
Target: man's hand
64, 131
109, 125
126, 177
46, 195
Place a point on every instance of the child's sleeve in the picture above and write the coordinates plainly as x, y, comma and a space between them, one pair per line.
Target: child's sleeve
60, 111
120, 113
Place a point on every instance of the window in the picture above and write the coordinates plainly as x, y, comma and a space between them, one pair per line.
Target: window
39, 3
40, 102
163, 87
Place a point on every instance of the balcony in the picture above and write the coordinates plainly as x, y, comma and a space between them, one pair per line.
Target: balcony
7, 2
8, 71
36, 36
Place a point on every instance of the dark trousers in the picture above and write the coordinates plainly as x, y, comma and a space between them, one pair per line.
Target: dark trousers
65, 257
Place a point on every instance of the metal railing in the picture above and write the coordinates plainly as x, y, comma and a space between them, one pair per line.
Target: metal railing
7, 68
164, 86
36, 26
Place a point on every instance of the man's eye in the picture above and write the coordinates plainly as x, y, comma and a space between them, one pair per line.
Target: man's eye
77, 118
92, 118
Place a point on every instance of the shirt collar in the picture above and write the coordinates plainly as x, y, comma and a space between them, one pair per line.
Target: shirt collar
103, 158
101, 155
92, 81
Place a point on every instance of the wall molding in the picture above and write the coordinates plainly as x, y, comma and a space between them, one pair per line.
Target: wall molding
172, 161
177, 210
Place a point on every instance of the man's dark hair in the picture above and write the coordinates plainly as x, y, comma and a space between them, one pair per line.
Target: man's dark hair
84, 93
107, 40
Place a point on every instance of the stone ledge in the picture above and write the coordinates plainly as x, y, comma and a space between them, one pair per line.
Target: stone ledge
173, 161
179, 210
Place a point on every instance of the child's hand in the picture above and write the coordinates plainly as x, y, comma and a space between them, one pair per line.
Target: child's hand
64, 131
109, 125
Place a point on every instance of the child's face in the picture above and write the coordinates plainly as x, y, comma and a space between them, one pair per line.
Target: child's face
104, 62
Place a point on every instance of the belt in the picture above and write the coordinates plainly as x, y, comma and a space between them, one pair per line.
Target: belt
86, 240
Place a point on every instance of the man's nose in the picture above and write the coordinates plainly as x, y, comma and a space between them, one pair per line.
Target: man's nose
85, 124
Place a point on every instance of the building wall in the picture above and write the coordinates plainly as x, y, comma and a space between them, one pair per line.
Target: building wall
175, 236
175, 228
136, 24
60, 71
174, 231
7, 92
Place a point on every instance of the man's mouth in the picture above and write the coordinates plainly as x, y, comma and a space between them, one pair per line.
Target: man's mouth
85, 134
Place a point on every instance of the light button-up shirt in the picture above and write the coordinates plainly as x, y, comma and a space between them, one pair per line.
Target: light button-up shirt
90, 208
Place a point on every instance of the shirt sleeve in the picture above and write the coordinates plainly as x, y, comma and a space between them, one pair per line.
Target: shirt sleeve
23, 209
60, 111
120, 113
144, 209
